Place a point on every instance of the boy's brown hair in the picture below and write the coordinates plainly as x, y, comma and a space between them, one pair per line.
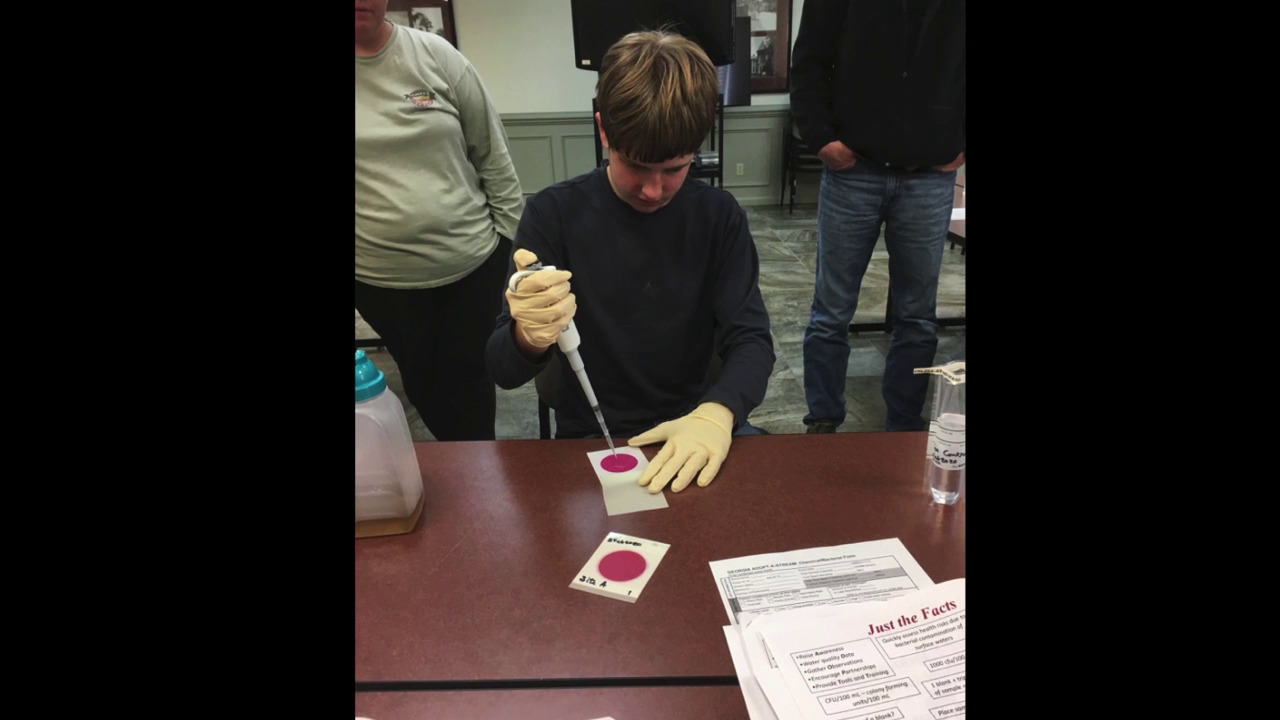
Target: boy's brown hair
656, 95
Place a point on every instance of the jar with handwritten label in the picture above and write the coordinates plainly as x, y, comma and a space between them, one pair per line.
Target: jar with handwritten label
945, 452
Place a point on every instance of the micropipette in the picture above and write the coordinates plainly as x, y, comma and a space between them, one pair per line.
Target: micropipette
569, 341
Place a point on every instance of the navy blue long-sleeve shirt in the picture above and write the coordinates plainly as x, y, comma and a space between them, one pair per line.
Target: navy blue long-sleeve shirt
657, 294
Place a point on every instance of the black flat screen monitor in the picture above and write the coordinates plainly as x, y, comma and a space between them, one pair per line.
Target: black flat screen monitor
597, 24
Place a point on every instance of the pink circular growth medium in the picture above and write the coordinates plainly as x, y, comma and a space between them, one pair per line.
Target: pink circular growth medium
622, 565
619, 463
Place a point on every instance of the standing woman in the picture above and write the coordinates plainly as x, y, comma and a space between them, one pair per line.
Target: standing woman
437, 201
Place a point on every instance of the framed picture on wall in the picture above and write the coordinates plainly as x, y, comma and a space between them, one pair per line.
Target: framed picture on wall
770, 43
434, 16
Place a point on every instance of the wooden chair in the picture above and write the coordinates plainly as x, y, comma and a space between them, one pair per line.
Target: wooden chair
955, 232
797, 159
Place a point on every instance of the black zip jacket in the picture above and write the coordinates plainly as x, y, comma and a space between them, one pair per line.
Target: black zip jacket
858, 75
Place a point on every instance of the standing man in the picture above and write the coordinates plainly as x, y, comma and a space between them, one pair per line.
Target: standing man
878, 89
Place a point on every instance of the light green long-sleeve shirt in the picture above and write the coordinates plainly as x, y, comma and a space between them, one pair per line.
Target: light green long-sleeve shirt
435, 184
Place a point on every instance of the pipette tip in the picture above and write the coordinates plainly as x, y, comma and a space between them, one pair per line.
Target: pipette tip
604, 428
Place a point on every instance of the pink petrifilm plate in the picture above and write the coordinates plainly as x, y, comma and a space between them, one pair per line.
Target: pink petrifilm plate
619, 463
622, 565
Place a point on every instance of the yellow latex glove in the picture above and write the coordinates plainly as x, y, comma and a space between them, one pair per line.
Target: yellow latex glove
541, 305
696, 442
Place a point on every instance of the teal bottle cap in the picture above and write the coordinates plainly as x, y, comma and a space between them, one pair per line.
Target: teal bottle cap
370, 381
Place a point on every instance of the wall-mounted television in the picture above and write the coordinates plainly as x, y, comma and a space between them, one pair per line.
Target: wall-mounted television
597, 24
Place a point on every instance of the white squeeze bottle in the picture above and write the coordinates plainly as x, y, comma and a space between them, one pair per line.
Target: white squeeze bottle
388, 481
945, 455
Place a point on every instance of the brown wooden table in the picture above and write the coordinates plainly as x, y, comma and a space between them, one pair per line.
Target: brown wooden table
480, 590
629, 703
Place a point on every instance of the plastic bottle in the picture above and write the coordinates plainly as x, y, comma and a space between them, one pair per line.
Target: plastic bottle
388, 480
945, 466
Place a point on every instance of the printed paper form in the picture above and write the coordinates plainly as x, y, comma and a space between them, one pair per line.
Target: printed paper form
857, 572
763, 686
758, 707
901, 659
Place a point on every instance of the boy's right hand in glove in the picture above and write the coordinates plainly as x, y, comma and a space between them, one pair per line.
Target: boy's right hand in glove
541, 305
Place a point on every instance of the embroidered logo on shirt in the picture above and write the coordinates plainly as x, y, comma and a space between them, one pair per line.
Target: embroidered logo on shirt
423, 99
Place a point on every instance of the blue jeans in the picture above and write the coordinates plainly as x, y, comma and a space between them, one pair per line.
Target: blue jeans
915, 209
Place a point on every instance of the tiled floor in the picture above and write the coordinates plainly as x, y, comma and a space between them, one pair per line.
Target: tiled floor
787, 245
